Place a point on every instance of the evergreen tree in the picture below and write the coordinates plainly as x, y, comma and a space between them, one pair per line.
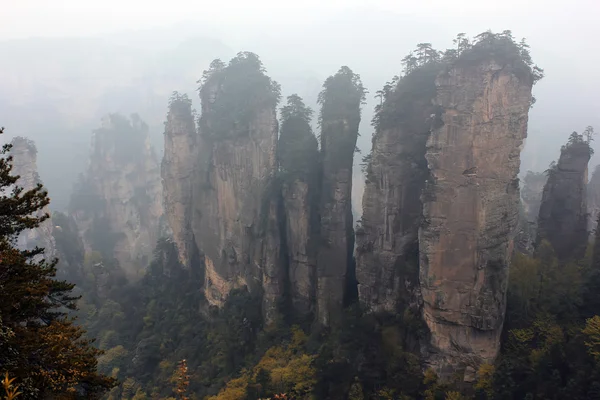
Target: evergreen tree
298, 148
46, 353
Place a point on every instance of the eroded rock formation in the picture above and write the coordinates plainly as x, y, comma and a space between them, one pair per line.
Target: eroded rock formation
340, 101
470, 208
387, 250
177, 171
234, 218
24, 164
118, 203
563, 213
298, 160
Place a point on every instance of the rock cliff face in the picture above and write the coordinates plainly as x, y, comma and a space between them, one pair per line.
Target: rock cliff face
298, 160
177, 171
563, 212
387, 261
593, 200
118, 203
234, 218
470, 210
340, 116
24, 155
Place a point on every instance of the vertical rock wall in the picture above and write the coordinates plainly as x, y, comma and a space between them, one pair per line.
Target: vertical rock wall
177, 171
387, 261
563, 212
118, 205
230, 203
300, 248
470, 211
299, 166
340, 117
235, 197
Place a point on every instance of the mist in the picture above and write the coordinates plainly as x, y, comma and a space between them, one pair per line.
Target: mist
62, 71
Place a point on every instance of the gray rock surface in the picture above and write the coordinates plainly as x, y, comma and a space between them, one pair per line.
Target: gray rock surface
470, 212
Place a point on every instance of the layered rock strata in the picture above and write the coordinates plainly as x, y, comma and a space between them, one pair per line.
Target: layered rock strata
233, 220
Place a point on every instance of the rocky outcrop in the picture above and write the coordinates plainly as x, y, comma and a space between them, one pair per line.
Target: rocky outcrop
593, 200
387, 260
340, 117
470, 208
118, 202
24, 165
235, 197
563, 213
177, 171
298, 161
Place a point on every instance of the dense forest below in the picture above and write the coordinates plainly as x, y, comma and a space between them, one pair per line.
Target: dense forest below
243, 276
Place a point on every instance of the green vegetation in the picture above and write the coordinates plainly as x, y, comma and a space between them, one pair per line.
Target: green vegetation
298, 147
546, 350
43, 351
180, 103
583, 140
232, 96
341, 99
160, 339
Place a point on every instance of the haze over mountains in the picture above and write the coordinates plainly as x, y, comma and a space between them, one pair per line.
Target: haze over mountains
58, 99
322, 200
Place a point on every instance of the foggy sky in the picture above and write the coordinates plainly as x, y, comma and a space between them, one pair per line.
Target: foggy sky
27, 18
303, 42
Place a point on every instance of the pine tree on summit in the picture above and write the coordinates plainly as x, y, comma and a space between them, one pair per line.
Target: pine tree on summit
39, 344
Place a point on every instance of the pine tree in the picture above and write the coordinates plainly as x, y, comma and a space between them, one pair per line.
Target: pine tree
42, 349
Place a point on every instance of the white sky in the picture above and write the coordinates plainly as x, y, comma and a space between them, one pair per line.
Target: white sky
563, 36
25, 18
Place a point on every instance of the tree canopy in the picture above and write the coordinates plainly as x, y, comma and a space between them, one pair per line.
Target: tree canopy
232, 95
298, 148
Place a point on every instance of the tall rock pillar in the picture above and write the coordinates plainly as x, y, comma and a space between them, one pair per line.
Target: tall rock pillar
234, 221
177, 171
298, 159
340, 101
118, 203
470, 208
563, 212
